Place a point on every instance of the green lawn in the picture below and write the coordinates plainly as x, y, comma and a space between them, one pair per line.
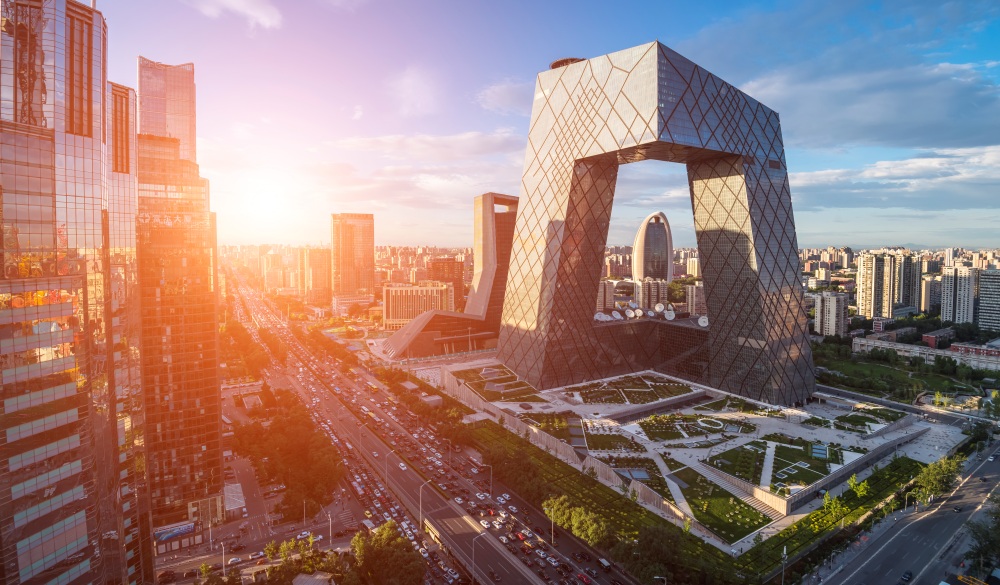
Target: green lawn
607, 396
611, 442
640, 396
722, 512
672, 464
511, 389
896, 378
798, 465
635, 389
745, 462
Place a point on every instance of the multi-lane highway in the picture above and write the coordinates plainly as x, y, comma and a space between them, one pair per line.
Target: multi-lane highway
921, 542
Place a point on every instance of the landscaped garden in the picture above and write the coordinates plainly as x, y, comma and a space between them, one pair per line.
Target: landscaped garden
554, 423
655, 479
612, 442
635, 389
723, 513
745, 462
497, 383
766, 556
665, 427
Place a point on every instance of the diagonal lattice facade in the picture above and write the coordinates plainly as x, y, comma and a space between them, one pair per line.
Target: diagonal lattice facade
648, 102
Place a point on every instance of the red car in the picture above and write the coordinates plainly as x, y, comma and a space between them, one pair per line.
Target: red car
520, 536
583, 578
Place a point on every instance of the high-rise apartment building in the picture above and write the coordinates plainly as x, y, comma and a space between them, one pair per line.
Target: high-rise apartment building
651, 292
313, 275
831, 314
71, 425
694, 298
178, 284
448, 270
605, 295
352, 254
959, 294
404, 302
989, 300
887, 283
694, 267
930, 293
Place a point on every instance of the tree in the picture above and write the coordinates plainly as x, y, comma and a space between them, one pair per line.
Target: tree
271, 550
938, 478
687, 525
852, 483
984, 549
862, 489
385, 557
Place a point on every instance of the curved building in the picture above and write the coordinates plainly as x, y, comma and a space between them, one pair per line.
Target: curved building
653, 250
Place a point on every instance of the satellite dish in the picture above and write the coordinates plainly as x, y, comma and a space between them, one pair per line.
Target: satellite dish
650, 313
629, 313
597, 316
632, 305
616, 315
658, 308
669, 314
703, 321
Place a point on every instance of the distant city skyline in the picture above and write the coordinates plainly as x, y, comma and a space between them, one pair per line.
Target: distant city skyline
891, 113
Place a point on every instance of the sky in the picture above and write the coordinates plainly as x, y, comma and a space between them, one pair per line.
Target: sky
890, 111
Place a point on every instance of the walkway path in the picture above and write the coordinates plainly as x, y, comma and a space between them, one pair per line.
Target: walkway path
768, 469
675, 490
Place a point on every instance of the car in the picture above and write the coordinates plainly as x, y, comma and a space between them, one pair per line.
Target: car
591, 572
423, 553
238, 548
528, 533
505, 496
501, 500
485, 523
520, 536
493, 575
480, 496
235, 561
983, 480
504, 539
303, 535
991, 458
907, 576
513, 509
553, 561
957, 508
368, 513
386, 516
541, 553
583, 578
402, 466
193, 573
256, 555
375, 454
458, 500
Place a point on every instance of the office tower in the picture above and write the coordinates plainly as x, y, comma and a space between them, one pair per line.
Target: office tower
959, 293
404, 302
176, 241
989, 301
694, 267
605, 295
352, 254
949, 256
930, 293
831, 314
313, 275
649, 102
694, 298
653, 250
449, 270
439, 332
71, 425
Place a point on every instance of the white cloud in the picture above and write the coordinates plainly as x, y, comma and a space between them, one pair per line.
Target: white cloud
507, 97
358, 113
960, 178
415, 92
257, 12
348, 5
427, 147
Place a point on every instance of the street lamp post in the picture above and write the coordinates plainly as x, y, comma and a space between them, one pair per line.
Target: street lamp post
387, 467
491, 476
420, 507
474, 568
784, 558
223, 558
330, 518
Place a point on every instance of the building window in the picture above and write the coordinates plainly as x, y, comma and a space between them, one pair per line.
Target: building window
79, 37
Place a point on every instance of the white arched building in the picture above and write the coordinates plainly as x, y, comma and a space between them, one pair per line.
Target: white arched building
652, 254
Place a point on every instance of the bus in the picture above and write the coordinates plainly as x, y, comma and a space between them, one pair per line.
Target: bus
372, 387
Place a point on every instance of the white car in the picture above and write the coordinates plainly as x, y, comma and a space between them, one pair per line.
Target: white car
402, 466
505, 496
513, 509
501, 500
504, 539
256, 555
458, 500
528, 534
423, 553
553, 561
481, 496
485, 524
235, 561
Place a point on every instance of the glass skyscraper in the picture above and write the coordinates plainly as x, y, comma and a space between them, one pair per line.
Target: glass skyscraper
648, 102
178, 284
352, 251
71, 425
